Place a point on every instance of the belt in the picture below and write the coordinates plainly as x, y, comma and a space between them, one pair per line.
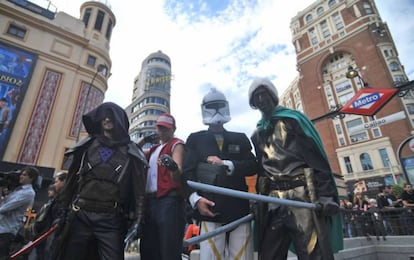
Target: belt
153, 195
96, 206
283, 184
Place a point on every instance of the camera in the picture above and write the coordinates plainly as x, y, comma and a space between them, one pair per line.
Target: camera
10, 180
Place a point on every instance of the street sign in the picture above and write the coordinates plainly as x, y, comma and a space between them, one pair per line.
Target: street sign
376, 123
368, 101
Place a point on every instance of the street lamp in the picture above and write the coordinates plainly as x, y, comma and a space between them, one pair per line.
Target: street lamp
392, 171
102, 68
353, 73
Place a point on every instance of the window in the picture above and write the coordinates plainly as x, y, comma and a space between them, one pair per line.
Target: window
376, 132
308, 18
99, 20
341, 141
366, 162
331, 3
319, 11
91, 60
384, 157
337, 21
399, 78
109, 30
17, 31
410, 108
338, 129
367, 8
348, 165
345, 98
394, 66
386, 53
86, 16
323, 24
360, 136
313, 36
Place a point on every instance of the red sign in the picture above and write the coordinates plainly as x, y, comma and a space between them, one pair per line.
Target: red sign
368, 101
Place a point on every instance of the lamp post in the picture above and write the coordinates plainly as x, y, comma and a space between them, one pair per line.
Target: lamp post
392, 171
353, 73
101, 68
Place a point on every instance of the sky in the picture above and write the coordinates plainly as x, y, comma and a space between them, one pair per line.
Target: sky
219, 43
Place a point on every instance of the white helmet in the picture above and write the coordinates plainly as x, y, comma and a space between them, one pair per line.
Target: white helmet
215, 108
262, 82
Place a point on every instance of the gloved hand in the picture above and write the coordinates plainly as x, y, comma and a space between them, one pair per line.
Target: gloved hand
328, 206
152, 138
168, 162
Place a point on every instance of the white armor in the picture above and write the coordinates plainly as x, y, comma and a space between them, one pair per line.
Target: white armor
215, 108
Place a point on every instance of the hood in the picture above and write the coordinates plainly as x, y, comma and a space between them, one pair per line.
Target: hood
92, 122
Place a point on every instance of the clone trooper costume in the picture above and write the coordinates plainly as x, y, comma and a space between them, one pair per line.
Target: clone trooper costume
222, 158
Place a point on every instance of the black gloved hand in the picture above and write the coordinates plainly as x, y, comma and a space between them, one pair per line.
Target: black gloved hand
168, 162
328, 206
152, 138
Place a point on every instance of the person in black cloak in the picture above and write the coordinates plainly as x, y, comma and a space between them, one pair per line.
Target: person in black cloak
104, 193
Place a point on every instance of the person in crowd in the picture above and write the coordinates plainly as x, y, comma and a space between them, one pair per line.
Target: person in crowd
46, 217
387, 202
407, 215
13, 208
165, 204
374, 220
360, 208
293, 165
223, 158
104, 191
39, 225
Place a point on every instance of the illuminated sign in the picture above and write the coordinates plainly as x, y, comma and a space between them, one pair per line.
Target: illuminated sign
368, 101
157, 80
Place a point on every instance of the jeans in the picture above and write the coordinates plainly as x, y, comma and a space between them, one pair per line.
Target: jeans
163, 230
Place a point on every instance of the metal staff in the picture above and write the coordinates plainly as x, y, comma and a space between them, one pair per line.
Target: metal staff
222, 229
34, 243
250, 196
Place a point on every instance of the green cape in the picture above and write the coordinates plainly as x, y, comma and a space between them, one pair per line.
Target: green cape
334, 222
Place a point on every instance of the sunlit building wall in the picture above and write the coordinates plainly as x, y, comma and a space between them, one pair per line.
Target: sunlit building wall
54, 68
330, 37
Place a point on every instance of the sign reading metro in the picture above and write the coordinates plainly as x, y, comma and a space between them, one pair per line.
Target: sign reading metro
368, 101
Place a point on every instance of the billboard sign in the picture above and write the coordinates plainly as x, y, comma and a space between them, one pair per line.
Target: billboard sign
16, 67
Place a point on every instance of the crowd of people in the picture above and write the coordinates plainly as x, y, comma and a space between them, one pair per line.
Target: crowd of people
116, 190
382, 215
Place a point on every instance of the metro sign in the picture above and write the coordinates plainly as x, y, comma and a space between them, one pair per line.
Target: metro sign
368, 101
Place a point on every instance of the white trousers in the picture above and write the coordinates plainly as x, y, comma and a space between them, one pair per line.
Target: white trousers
238, 247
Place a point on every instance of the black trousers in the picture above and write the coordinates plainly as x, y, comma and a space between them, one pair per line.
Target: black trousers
6, 240
95, 236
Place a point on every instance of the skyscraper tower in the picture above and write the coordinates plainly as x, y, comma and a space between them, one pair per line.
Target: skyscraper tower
151, 95
333, 38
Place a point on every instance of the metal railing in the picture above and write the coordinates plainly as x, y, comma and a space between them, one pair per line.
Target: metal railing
378, 223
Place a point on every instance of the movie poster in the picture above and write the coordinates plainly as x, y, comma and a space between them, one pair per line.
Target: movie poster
16, 67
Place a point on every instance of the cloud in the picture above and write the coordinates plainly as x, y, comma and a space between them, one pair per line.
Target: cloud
225, 43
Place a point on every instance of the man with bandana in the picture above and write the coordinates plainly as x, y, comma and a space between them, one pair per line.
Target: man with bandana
219, 157
288, 147
105, 188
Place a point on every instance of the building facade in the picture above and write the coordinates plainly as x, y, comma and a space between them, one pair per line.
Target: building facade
151, 95
332, 38
54, 68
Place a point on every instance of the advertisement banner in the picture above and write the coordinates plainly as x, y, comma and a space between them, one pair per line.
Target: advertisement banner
16, 67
